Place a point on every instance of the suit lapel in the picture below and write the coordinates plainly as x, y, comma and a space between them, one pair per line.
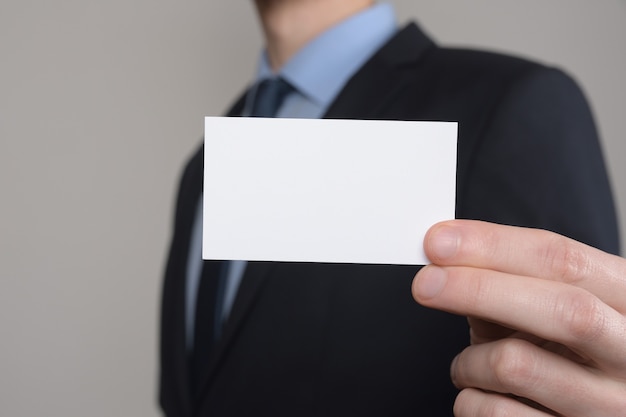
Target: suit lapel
253, 280
251, 284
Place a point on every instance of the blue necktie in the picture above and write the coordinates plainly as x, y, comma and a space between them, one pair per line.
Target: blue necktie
268, 97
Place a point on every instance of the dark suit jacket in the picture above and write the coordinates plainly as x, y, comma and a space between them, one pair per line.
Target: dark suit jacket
337, 340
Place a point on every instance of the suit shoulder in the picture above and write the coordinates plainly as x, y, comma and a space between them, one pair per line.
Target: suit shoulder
473, 80
494, 68
482, 60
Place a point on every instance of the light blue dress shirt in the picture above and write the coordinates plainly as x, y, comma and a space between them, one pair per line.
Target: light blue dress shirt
318, 73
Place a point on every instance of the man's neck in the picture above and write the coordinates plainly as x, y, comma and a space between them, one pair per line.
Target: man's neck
288, 25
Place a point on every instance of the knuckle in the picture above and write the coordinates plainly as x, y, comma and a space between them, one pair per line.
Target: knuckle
498, 408
514, 366
566, 260
582, 316
476, 288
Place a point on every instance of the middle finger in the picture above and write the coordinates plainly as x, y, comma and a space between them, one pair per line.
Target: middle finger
551, 310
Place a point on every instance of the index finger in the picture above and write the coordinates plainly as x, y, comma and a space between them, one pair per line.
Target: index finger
529, 252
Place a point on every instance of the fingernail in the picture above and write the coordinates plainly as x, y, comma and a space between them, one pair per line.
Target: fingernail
444, 243
430, 281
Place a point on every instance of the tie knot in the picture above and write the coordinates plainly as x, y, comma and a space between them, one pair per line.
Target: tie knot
269, 96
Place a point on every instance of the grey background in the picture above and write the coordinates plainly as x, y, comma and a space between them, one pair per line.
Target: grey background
100, 104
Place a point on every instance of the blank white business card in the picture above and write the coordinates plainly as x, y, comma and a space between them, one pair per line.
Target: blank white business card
338, 191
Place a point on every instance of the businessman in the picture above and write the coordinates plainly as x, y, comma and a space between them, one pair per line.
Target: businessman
258, 338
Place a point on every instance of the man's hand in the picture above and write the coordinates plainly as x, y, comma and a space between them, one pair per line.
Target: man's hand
547, 317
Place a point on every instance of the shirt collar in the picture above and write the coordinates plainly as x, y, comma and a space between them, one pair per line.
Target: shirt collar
322, 67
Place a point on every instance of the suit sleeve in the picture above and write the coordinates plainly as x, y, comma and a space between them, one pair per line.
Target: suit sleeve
539, 163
